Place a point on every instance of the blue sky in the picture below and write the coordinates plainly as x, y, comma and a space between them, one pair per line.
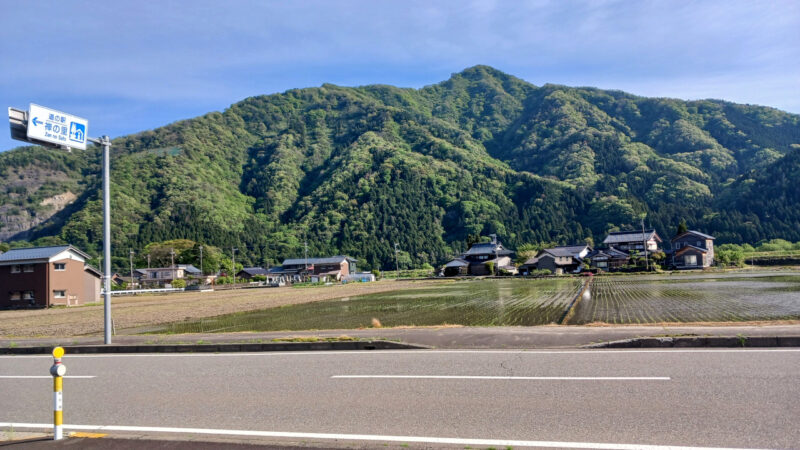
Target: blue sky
132, 66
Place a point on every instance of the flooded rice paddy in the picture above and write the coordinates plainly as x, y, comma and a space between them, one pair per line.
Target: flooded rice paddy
632, 300
610, 299
476, 303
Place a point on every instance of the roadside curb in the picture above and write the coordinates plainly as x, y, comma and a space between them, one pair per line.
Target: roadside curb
701, 341
215, 348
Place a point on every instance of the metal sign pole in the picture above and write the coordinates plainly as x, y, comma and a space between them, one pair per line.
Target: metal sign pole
52, 128
107, 322
106, 142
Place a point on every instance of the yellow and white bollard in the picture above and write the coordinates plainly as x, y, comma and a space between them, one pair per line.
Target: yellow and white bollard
57, 371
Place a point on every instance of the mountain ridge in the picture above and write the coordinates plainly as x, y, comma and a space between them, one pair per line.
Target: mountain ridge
352, 170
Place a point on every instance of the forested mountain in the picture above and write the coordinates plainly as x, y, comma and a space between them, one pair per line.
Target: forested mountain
353, 170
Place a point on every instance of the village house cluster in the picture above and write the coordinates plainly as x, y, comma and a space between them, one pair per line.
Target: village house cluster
60, 275
619, 250
338, 268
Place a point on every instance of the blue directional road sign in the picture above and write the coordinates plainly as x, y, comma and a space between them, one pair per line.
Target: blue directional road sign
56, 127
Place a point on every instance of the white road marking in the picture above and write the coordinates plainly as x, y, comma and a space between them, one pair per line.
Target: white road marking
406, 352
364, 437
468, 377
46, 376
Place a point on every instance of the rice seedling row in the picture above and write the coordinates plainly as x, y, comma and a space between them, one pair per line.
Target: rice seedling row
651, 299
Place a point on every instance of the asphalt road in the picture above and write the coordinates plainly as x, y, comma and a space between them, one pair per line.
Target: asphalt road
712, 398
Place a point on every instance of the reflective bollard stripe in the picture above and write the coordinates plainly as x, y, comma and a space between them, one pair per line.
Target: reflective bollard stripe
57, 371
58, 404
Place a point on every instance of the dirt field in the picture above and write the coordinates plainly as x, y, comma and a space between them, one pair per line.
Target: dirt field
147, 310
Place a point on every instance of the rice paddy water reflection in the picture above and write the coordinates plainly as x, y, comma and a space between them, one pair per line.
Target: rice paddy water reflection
616, 300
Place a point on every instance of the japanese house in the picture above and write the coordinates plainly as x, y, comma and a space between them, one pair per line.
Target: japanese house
558, 260
163, 275
47, 276
317, 269
692, 250
607, 259
248, 273
476, 260
634, 241
456, 267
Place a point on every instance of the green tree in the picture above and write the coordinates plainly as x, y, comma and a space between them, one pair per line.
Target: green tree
682, 228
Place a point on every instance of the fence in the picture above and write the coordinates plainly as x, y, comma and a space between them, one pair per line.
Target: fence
145, 291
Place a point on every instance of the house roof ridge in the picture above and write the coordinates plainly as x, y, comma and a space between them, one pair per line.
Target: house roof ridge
695, 232
38, 253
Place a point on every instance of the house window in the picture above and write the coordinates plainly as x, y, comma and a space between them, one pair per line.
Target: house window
16, 296
699, 244
27, 268
16, 268
690, 260
59, 294
602, 264
60, 266
27, 295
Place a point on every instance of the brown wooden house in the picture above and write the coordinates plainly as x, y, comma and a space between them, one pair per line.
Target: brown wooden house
692, 250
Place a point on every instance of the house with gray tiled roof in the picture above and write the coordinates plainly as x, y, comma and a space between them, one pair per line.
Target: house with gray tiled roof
47, 276
607, 258
561, 259
247, 273
692, 250
475, 261
332, 268
633, 241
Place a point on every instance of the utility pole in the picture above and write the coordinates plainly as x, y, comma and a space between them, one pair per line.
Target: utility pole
644, 241
396, 265
172, 260
106, 143
305, 247
202, 273
148, 260
496, 256
130, 251
233, 265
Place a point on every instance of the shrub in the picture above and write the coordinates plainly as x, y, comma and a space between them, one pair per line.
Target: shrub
178, 284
